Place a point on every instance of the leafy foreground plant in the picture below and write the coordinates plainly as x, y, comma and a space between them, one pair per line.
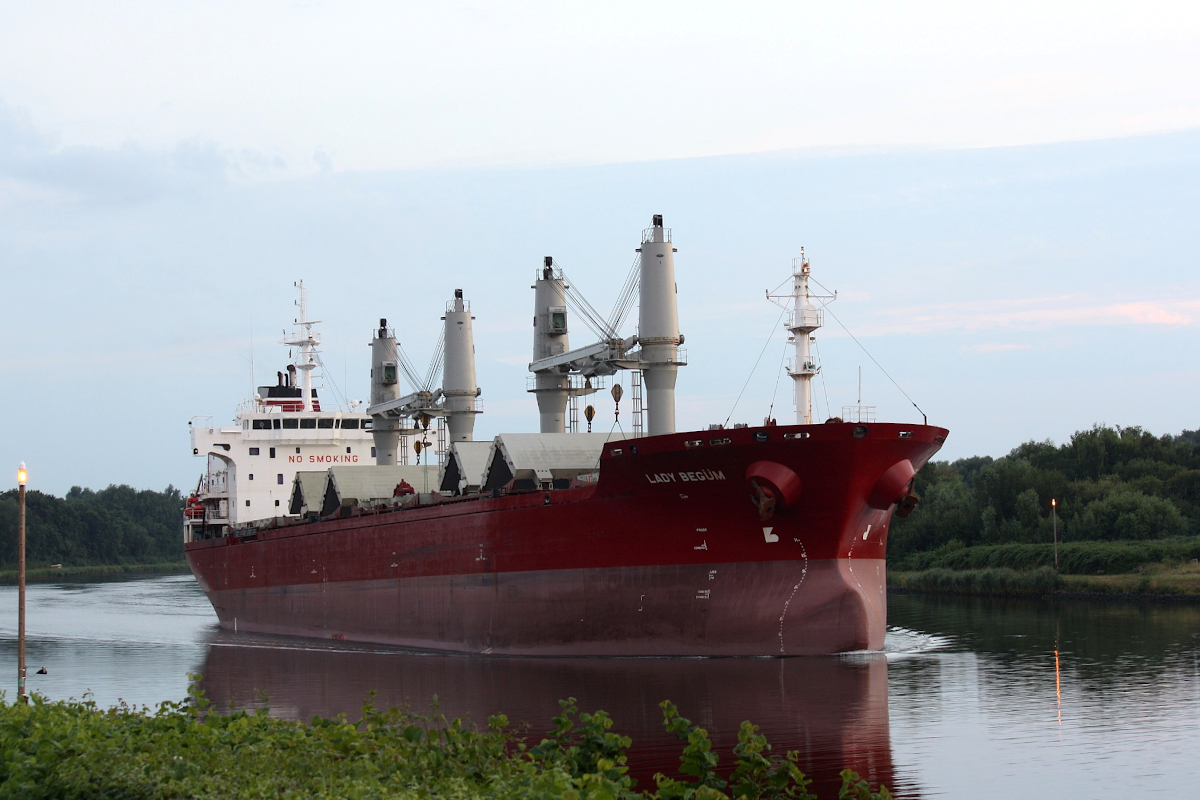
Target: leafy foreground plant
76, 749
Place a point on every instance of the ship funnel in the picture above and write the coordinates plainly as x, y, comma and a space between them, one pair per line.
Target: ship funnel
385, 386
458, 370
658, 327
549, 339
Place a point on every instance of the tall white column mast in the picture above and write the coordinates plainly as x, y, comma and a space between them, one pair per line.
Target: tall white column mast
550, 338
803, 321
658, 326
458, 370
308, 341
385, 387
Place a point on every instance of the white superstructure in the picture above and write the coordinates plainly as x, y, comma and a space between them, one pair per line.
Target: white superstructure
252, 463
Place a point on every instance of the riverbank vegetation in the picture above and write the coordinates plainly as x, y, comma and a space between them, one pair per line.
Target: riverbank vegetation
115, 528
75, 749
1128, 518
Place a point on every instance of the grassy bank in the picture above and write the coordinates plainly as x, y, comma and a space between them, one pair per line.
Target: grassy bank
73, 749
93, 570
1074, 558
1152, 580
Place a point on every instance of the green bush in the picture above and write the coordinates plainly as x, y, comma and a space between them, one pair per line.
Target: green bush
1125, 515
78, 750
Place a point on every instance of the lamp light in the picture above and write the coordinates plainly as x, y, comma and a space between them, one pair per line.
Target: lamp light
22, 474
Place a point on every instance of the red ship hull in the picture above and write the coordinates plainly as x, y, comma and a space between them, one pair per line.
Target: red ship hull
667, 554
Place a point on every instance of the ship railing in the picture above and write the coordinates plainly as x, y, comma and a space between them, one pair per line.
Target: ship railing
796, 367
648, 234
474, 405
215, 483
557, 273
806, 318
858, 413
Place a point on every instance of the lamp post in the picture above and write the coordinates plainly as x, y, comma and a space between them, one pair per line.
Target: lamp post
1054, 515
21, 477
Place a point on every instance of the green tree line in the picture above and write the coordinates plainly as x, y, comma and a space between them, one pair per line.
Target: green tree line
117, 525
1111, 484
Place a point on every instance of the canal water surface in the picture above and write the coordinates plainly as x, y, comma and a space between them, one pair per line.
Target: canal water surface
971, 697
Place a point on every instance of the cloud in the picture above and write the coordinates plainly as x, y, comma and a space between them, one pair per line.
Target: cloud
33, 164
1036, 313
997, 347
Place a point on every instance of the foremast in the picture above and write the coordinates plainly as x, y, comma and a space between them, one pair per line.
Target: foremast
804, 319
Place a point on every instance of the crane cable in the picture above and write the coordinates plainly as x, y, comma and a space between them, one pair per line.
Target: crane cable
751, 375
881, 369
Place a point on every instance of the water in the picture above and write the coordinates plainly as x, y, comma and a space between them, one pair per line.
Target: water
971, 698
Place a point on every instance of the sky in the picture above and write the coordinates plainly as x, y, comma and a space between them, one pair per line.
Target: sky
1005, 199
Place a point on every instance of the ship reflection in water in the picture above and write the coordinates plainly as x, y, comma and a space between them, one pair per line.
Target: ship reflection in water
832, 710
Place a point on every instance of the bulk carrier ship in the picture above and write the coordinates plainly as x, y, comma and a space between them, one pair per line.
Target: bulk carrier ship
762, 540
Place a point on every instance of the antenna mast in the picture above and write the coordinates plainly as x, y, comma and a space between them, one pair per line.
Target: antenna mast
307, 341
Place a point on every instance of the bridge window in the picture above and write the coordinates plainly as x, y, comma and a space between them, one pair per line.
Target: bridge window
308, 423
325, 423
349, 424
261, 424
291, 423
